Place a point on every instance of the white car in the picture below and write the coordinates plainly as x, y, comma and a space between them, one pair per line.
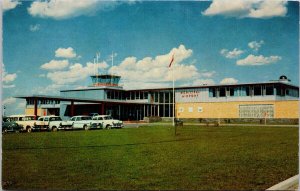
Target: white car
25, 121
47, 123
80, 122
107, 122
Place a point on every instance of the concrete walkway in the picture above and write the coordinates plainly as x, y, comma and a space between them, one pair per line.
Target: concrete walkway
289, 184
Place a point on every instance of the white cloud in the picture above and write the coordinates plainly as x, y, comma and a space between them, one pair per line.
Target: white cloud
258, 60
255, 45
229, 81
269, 9
34, 28
55, 65
75, 72
231, 54
247, 8
207, 74
64, 9
10, 4
8, 86
52, 89
9, 101
65, 52
8, 78
153, 71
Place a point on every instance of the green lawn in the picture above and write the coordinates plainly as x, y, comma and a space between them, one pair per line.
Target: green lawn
198, 158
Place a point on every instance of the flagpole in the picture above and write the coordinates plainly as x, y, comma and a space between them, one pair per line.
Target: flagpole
173, 98
172, 65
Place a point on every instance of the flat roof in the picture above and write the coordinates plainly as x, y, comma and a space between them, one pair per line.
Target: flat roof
74, 99
184, 87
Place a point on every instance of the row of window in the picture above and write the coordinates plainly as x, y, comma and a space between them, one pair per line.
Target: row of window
161, 97
122, 95
190, 109
252, 91
31, 101
156, 97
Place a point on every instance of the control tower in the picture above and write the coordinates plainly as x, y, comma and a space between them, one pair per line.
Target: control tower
107, 80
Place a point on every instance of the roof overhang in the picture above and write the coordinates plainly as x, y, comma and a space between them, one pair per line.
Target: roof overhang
83, 100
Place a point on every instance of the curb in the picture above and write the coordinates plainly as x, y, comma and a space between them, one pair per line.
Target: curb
287, 184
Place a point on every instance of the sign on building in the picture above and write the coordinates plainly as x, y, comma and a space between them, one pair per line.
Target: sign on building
256, 111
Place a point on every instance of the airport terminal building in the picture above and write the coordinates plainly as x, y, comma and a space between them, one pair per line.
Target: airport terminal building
274, 99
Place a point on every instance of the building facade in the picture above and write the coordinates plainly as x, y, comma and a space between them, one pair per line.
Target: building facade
275, 99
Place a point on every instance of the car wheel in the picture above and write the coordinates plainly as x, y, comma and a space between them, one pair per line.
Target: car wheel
108, 126
85, 127
54, 129
28, 129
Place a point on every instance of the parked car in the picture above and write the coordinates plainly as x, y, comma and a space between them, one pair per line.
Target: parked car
25, 121
107, 122
10, 126
47, 123
79, 122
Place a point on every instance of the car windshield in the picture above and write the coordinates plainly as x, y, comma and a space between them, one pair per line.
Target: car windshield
86, 118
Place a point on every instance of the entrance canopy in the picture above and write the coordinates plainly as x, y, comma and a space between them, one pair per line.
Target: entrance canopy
37, 98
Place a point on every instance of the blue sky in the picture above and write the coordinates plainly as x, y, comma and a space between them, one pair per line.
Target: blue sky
51, 45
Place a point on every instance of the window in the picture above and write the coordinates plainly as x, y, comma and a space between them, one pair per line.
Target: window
55, 119
279, 91
161, 97
28, 118
245, 91
181, 109
46, 119
212, 92
292, 92
200, 109
222, 92
269, 90
108, 118
108, 94
86, 118
167, 96
141, 95
257, 90
145, 95
231, 91
190, 109
131, 95
137, 95
156, 97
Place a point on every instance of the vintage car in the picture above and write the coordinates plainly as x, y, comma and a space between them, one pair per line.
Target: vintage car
107, 122
79, 122
10, 126
25, 121
47, 123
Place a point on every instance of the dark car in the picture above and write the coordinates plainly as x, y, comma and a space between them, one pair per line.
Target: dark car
10, 126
